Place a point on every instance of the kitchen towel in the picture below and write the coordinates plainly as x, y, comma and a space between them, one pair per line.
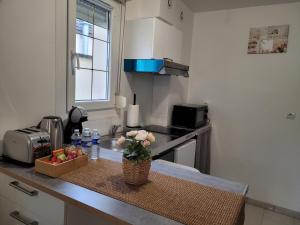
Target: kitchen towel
184, 201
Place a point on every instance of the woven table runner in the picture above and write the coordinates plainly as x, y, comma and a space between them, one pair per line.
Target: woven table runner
180, 200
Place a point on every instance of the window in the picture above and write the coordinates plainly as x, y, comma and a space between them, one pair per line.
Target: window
94, 40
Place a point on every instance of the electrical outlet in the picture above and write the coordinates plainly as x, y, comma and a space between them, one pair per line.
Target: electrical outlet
291, 116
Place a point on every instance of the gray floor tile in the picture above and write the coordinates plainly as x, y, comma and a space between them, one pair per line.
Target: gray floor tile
296, 222
272, 218
253, 215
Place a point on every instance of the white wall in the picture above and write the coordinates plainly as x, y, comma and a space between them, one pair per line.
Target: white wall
27, 61
249, 97
33, 43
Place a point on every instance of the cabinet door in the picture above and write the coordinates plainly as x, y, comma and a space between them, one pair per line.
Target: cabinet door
172, 12
163, 9
167, 41
152, 38
40, 203
168, 10
6, 207
138, 39
183, 15
185, 153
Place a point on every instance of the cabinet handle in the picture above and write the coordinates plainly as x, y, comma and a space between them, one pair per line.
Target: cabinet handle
170, 3
16, 215
16, 185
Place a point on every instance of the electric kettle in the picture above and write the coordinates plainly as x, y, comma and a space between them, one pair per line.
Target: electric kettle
54, 126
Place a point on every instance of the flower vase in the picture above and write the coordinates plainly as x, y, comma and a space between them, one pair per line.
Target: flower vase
136, 173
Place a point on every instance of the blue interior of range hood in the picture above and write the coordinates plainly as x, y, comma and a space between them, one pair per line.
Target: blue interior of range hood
143, 65
155, 66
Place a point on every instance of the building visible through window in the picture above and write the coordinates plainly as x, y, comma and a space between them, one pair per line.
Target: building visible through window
93, 49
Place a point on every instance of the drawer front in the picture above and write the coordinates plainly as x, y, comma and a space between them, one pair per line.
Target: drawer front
32, 199
12, 214
6, 207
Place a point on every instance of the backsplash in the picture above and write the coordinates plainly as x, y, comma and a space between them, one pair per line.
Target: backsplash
103, 121
167, 91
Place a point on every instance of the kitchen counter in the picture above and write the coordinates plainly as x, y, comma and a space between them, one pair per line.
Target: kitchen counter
164, 142
105, 207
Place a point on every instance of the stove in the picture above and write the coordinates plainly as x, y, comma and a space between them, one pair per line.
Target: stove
171, 131
163, 136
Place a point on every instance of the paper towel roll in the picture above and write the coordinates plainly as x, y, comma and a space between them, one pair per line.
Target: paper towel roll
133, 115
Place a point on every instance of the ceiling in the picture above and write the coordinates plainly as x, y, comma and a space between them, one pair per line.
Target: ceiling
210, 5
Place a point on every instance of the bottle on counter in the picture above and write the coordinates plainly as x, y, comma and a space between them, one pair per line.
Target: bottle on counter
86, 141
76, 138
95, 144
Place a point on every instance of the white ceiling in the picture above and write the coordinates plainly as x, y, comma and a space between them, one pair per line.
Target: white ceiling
210, 5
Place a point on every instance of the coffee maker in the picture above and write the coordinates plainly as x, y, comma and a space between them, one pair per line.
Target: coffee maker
77, 115
53, 125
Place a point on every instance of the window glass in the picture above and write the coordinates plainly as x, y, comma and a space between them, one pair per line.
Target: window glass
100, 85
100, 55
100, 33
85, 11
101, 17
83, 85
93, 51
84, 45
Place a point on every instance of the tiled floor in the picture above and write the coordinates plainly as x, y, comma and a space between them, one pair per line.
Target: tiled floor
259, 216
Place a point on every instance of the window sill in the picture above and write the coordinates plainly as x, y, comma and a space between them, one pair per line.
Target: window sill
97, 106
102, 114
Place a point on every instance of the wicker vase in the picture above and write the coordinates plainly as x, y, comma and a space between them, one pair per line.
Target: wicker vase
136, 174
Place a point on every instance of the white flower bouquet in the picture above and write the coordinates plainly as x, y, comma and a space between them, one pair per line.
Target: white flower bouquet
138, 143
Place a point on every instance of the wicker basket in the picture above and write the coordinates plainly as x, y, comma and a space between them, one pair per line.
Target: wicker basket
136, 174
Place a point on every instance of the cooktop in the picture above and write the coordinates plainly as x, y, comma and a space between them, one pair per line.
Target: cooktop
172, 131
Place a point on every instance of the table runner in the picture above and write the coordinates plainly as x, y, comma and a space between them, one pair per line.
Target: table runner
180, 200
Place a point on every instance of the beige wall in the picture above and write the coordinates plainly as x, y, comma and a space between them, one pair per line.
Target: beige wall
27, 48
33, 65
249, 97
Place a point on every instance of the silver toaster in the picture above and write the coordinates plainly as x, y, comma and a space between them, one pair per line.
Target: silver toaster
26, 145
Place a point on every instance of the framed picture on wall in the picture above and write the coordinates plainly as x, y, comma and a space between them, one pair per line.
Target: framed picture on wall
266, 40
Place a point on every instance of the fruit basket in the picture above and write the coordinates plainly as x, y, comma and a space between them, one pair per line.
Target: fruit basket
55, 168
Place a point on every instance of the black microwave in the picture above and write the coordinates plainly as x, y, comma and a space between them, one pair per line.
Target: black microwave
189, 116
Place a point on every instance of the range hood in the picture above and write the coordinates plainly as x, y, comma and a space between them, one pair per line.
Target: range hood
155, 66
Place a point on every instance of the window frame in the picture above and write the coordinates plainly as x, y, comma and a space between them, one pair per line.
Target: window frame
114, 62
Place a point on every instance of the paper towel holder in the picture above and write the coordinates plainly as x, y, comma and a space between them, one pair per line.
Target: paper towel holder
121, 102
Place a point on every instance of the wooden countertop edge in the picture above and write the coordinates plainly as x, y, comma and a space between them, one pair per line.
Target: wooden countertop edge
65, 198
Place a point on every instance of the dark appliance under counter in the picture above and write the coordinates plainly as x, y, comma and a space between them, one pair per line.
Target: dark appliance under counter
169, 138
168, 155
163, 136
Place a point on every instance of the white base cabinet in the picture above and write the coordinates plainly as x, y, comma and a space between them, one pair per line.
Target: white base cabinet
185, 153
30, 203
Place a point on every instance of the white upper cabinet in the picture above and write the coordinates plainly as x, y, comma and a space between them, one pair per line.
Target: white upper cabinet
172, 12
168, 11
184, 15
152, 38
